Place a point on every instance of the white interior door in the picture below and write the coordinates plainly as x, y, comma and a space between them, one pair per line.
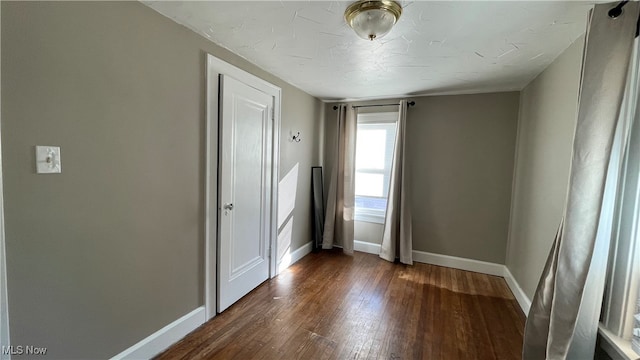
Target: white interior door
246, 130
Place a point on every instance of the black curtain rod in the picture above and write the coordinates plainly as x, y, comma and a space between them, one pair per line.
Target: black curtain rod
617, 11
409, 103
613, 13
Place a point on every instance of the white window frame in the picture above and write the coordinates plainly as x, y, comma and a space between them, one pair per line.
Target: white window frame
374, 215
623, 277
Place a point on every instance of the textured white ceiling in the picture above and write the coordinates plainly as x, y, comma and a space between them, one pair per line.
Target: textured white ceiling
436, 47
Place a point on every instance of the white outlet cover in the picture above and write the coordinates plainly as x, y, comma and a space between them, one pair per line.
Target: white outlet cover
48, 160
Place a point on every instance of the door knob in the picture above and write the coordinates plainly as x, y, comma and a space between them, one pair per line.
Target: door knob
228, 206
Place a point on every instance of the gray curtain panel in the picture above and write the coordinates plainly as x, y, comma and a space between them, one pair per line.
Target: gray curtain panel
554, 311
338, 225
397, 236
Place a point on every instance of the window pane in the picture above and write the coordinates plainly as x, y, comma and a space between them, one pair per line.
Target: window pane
370, 149
364, 202
369, 184
374, 154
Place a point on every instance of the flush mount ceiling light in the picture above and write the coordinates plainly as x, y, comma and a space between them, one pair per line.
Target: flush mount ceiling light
372, 19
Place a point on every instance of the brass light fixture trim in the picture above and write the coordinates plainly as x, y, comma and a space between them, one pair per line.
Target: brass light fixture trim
363, 6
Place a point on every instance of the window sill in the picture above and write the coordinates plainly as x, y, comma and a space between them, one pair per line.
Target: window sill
374, 219
616, 347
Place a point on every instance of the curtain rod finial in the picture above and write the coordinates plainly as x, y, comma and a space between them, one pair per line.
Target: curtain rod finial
617, 10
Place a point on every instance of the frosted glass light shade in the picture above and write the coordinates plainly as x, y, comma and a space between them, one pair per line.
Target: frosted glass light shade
372, 19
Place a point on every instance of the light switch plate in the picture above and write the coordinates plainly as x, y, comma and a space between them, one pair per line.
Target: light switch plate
48, 160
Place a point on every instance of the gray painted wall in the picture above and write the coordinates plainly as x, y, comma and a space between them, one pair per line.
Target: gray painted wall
548, 110
461, 154
461, 162
368, 232
112, 249
301, 112
4, 310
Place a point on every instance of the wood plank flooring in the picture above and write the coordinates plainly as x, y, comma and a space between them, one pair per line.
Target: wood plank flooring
333, 306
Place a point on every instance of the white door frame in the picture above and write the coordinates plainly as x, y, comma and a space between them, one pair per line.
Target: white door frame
215, 67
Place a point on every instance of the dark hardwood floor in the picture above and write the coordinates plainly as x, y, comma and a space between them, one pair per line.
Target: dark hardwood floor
333, 306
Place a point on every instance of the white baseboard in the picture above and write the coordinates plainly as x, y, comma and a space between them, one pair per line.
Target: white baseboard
165, 337
301, 252
295, 256
482, 267
170, 334
522, 298
479, 267
366, 247
459, 263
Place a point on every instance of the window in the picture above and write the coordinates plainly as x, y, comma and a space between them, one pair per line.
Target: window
620, 326
374, 153
620, 313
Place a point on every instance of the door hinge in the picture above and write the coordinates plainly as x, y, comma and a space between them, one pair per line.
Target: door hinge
273, 113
